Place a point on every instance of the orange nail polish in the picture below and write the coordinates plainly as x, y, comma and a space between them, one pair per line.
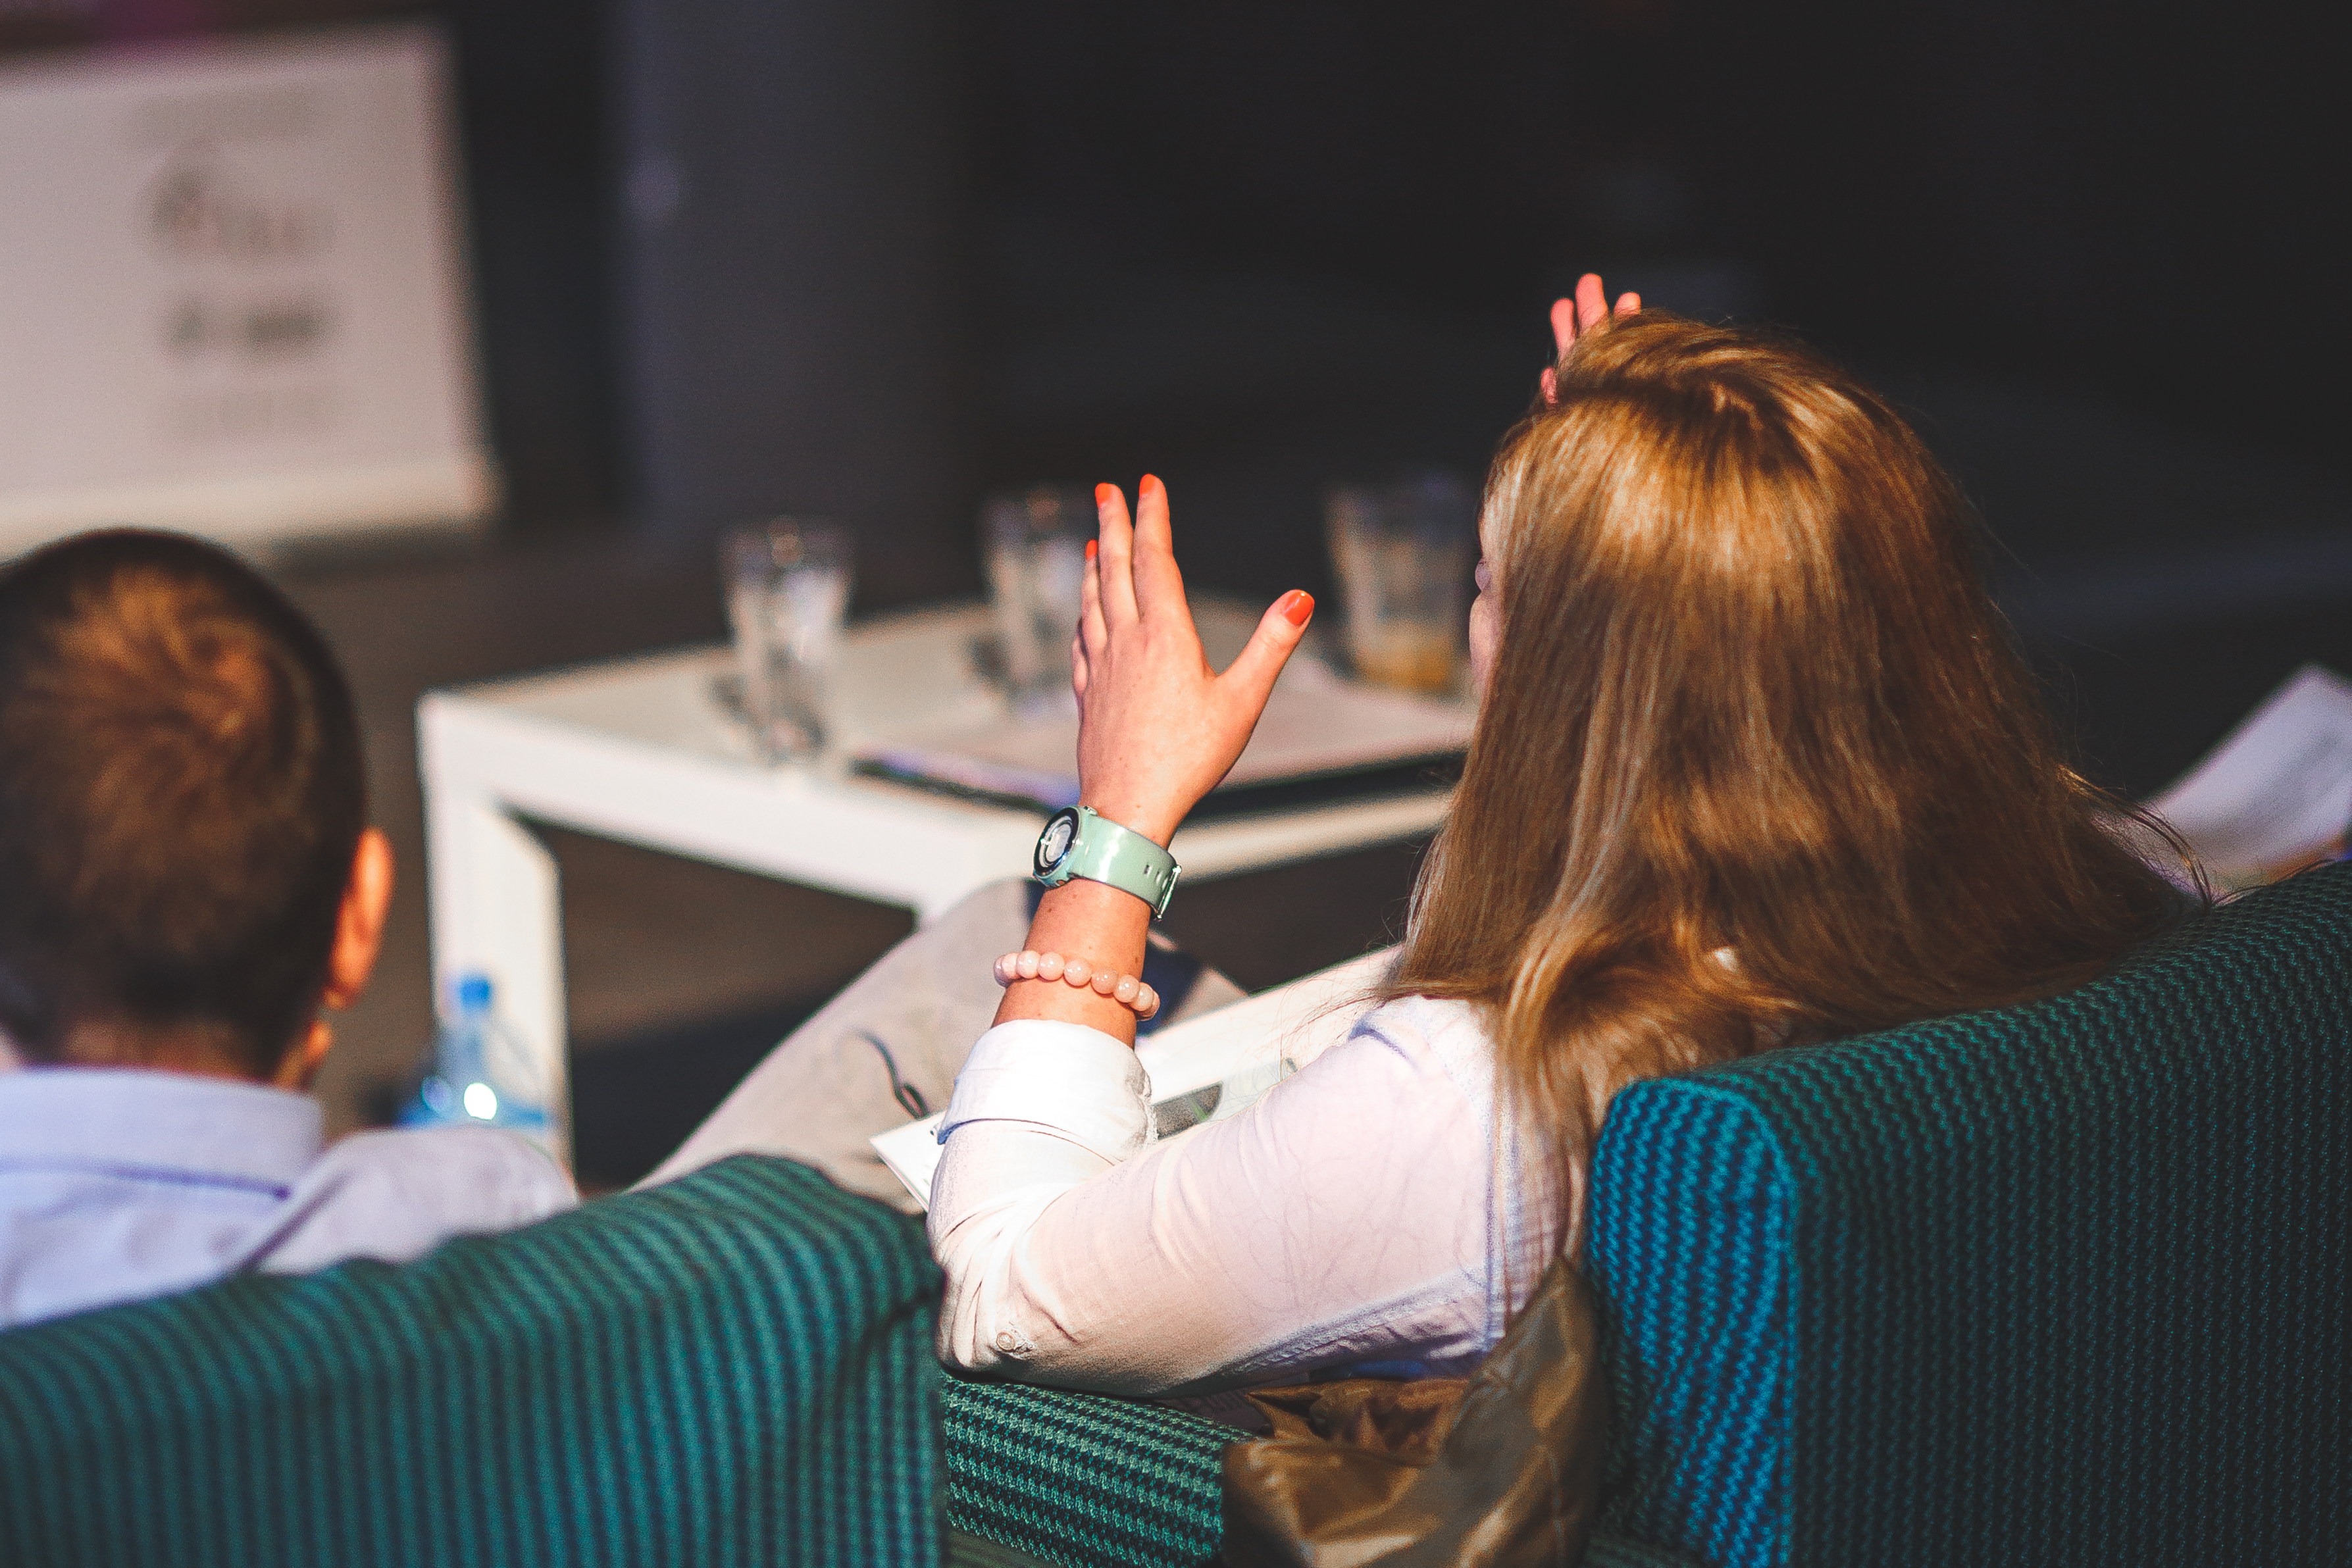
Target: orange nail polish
1090, 548
1297, 605
1105, 495
1151, 483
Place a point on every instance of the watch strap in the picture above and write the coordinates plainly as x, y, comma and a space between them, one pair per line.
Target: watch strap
1103, 851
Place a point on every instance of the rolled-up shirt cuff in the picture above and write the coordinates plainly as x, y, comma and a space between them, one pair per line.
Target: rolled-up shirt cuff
1065, 1077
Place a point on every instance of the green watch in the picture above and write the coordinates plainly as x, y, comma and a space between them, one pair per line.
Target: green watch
1079, 842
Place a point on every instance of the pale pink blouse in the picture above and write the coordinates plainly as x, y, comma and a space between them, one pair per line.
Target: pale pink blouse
1361, 1215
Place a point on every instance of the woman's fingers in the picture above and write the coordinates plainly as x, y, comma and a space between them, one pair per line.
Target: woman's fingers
1571, 319
1563, 324
1114, 562
1251, 676
1078, 667
1159, 583
1591, 302
1093, 635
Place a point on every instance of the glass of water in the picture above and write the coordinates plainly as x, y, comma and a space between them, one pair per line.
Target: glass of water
788, 585
1403, 552
1035, 542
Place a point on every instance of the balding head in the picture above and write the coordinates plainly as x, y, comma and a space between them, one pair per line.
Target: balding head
181, 794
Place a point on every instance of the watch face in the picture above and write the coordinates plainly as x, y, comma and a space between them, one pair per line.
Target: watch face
1055, 841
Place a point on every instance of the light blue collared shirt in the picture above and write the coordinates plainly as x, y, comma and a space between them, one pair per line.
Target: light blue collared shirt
118, 1184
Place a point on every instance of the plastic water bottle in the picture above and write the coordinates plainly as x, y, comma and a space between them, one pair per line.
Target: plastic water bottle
482, 1076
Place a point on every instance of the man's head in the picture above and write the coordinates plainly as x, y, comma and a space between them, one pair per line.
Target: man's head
186, 874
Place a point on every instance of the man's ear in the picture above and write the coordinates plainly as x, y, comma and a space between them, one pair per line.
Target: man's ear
299, 1067
359, 922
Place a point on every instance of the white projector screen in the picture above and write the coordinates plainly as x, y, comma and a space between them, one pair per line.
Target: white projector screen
232, 299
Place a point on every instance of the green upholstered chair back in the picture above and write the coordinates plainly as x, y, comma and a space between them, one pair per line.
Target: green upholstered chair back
1082, 1480
2059, 1284
2065, 1283
736, 1368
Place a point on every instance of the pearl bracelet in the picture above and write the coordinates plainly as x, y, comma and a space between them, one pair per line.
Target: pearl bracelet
1125, 989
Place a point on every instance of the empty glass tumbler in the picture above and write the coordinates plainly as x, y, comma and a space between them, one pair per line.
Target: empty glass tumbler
788, 584
1403, 552
1035, 544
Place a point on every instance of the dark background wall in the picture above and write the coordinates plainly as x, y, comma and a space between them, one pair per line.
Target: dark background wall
795, 260
2096, 194
2110, 196
1258, 247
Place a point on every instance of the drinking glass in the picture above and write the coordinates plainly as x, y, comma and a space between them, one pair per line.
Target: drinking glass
1035, 542
788, 584
1403, 552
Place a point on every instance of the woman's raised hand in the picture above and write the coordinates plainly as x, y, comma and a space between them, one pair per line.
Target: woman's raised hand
1570, 318
1157, 726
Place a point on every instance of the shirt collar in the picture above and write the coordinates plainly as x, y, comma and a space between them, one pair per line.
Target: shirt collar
177, 1120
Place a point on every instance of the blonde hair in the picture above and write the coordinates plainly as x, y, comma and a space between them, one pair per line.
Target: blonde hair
1750, 695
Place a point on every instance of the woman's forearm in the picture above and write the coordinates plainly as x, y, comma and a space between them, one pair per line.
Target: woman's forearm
1089, 920
1157, 728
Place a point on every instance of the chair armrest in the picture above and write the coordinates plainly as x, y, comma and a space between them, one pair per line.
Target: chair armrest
1045, 1475
1083, 1480
736, 1367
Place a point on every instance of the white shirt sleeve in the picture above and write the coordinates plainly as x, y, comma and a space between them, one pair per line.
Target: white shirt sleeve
1342, 1218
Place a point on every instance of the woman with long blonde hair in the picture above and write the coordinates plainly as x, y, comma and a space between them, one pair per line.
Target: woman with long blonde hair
1755, 762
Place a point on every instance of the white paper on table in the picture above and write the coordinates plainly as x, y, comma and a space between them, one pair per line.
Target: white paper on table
2279, 786
1238, 1051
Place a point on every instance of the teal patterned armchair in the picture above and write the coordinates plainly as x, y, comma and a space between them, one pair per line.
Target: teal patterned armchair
736, 1368
2068, 1283
2060, 1284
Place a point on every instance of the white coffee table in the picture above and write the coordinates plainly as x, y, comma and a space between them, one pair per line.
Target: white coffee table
641, 751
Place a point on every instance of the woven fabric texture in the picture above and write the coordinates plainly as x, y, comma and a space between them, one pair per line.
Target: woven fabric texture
735, 1368
1091, 1482
1081, 1479
2060, 1284
1607, 1551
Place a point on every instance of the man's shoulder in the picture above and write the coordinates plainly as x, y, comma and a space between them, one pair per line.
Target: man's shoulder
441, 1155
396, 1194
